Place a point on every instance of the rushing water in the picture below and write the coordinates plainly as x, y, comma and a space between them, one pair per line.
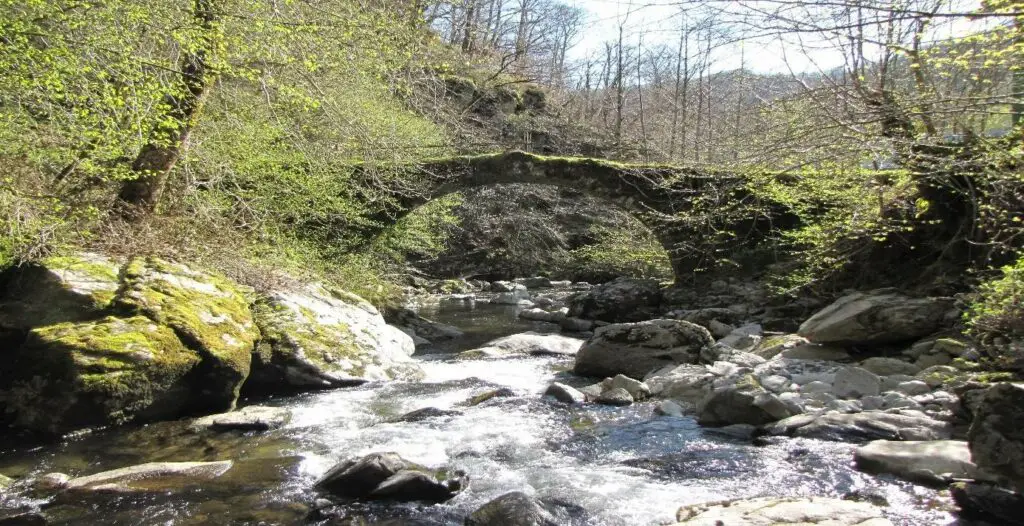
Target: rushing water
613, 465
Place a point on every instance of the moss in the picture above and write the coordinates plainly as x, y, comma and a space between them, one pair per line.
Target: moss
98, 373
995, 377
208, 312
294, 332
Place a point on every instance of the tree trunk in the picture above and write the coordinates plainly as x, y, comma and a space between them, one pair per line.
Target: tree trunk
139, 196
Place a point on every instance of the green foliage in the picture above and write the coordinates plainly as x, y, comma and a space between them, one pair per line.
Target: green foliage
620, 252
998, 307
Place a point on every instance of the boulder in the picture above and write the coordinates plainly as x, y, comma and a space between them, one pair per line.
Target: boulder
320, 337
359, 477
745, 402
686, 383
514, 509
106, 372
505, 286
60, 289
878, 317
575, 325
810, 351
564, 393
249, 418
997, 433
151, 477
388, 476
410, 485
208, 312
636, 389
989, 502
861, 427
532, 343
854, 382
614, 396
620, 300
883, 366
770, 511
635, 349
928, 462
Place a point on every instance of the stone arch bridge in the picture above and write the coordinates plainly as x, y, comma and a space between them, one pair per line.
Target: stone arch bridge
697, 215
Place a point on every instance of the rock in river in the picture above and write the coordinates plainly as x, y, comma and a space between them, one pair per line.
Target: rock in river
635, 349
387, 476
249, 418
519, 509
876, 318
997, 433
780, 511
620, 300
928, 462
154, 476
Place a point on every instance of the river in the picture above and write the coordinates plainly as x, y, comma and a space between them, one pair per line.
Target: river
609, 465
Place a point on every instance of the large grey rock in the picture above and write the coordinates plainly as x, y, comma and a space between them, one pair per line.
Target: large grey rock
635, 349
743, 403
997, 433
620, 300
772, 511
151, 477
359, 477
861, 427
543, 315
411, 485
876, 318
532, 343
928, 462
989, 502
249, 418
637, 389
320, 337
854, 382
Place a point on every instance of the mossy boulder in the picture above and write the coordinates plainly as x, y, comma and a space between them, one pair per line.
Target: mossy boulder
105, 372
320, 338
209, 313
57, 289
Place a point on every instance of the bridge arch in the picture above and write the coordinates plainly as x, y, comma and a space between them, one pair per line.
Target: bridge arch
662, 198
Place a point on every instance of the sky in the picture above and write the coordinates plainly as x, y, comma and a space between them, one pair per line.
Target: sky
659, 22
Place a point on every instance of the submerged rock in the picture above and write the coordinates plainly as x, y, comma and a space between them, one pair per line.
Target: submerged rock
519, 509
997, 433
635, 349
249, 418
929, 462
620, 300
778, 511
151, 477
422, 327
322, 338
426, 413
876, 318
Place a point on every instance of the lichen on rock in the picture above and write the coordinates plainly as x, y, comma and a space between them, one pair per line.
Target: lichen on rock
208, 312
58, 289
110, 371
320, 337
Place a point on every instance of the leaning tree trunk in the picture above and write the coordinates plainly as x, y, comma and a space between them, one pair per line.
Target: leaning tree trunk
139, 196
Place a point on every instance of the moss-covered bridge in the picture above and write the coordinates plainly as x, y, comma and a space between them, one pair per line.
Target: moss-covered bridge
695, 214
